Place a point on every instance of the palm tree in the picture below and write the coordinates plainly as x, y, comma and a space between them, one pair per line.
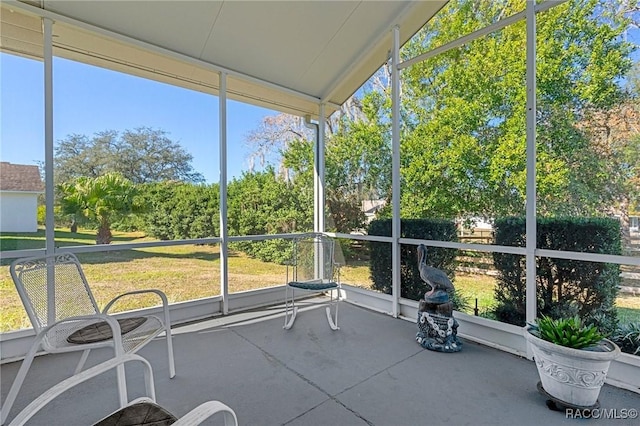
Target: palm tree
99, 199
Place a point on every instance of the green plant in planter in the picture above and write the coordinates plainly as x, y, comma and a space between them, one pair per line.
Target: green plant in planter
567, 332
627, 336
572, 359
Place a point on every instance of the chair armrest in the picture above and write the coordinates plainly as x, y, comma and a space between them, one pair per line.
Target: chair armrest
35, 406
160, 294
206, 410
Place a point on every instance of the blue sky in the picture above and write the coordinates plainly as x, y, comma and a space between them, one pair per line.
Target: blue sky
88, 100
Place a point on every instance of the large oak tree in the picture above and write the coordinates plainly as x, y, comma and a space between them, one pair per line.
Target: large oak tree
142, 155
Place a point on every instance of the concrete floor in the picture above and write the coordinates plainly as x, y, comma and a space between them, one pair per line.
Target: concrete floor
371, 372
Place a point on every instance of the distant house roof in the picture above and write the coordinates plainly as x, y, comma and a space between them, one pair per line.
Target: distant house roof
20, 177
372, 206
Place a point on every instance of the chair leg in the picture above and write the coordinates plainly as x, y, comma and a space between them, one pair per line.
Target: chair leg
122, 385
83, 359
167, 332
172, 364
288, 324
121, 378
332, 323
333, 320
230, 418
289, 318
18, 381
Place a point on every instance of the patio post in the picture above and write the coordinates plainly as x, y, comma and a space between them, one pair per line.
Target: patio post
224, 234
395, 171
318, 177
531, 166
49, 232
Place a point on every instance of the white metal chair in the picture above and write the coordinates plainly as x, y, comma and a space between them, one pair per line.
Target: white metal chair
132, 412
313, 268
66, 317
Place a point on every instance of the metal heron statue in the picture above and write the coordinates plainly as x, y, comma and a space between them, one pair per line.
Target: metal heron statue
437, 328
440, 283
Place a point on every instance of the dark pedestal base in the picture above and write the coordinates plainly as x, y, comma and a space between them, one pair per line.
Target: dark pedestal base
438, 333
556, 404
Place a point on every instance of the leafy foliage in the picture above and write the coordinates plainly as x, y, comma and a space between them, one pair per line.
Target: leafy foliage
564, 287
100, 199
463, 143
358, 163
357, 157
258, 203
263, 203
179, 210
568, 332
142, 155
627, 336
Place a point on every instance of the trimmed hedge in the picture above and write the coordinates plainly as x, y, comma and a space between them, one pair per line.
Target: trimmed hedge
275, 251
412, 286
178, 210
564, 287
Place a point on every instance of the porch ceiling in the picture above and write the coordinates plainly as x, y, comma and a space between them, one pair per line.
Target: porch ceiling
302, 50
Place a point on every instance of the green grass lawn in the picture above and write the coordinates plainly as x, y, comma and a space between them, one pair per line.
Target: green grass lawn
34, 240
183, 272
478, 287
192, 271
628, 308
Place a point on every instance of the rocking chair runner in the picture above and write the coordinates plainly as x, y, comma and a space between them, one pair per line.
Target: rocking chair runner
313, 268
66, 318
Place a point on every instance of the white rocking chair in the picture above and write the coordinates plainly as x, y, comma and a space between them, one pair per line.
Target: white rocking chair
313, 269
66, 318
140, 411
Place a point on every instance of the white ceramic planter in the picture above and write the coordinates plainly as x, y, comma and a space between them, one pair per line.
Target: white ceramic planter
573, 376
